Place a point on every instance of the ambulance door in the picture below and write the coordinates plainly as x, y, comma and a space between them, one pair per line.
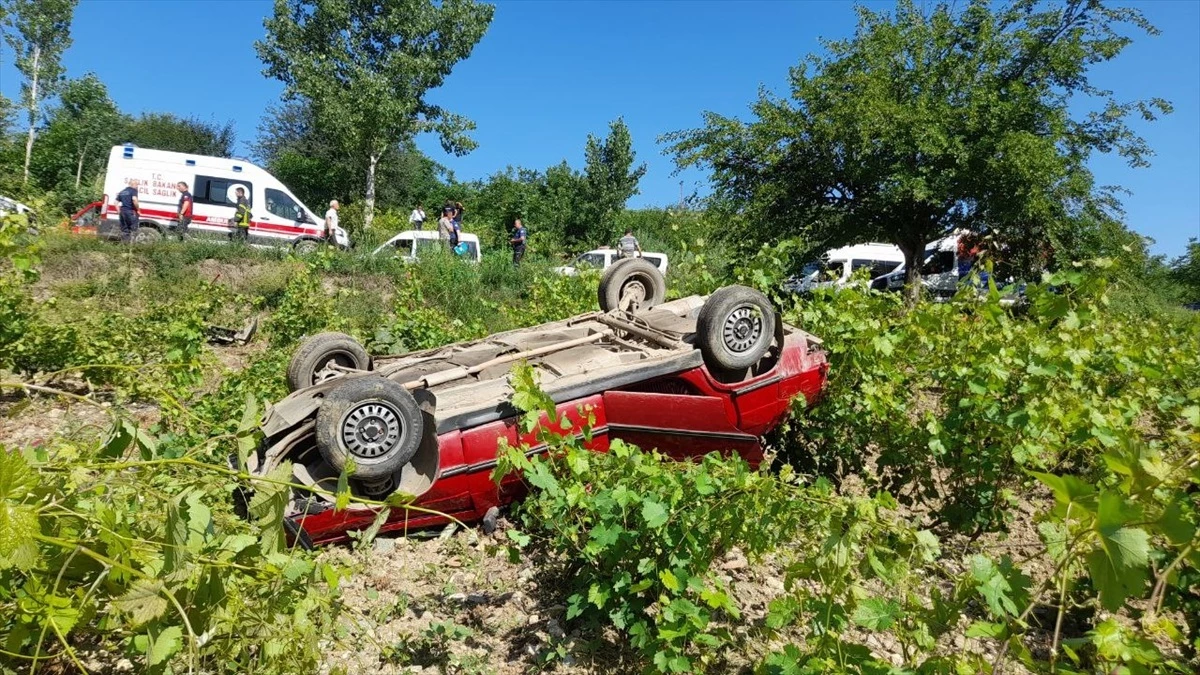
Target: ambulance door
282, 221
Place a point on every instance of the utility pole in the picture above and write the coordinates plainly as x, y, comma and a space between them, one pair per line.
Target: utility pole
680, 195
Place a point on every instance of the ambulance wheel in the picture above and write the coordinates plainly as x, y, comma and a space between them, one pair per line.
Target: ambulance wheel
371, 420
147, 234
313, 362
735, 328
631, 284
306, 246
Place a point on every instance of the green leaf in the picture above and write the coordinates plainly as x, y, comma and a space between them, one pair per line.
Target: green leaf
143, 601
165, 645
668, 580
1002, 586
17, 478
876, 613
18, 526
268, 506
1069, 492
654, 513
1118, 565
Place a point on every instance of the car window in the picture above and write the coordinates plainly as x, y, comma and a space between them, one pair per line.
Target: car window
939, 262
472, 251
878, 268
403, 246
282, 205
424, 245
590, 260
655, 260
832, 270
220, 191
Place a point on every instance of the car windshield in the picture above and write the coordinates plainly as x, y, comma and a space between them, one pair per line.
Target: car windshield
832, 270
877, 268
653, 260
937, 262
590, 260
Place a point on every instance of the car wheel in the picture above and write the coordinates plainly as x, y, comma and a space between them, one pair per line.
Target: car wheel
735, 328
372, 420
630, 285
146, 234
306, 246
313, 362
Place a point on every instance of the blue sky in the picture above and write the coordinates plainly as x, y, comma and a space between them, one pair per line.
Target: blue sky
550, 72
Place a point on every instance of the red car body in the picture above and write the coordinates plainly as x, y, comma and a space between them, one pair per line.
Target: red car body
684, 414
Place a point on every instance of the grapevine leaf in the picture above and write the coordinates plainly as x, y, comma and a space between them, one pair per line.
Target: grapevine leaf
1069, 492
371, 532
175, 553
1118, 566
143, 601
165, 645
876, 613
268, 506
669, 580
654, 513
1003, 586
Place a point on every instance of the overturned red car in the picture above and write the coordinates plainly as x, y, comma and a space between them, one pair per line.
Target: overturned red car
688, 377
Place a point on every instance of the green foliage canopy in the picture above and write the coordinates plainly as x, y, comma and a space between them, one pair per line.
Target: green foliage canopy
931, 119
367, 66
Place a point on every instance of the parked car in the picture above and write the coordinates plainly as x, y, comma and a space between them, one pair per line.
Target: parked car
604, 257
688, 377
411, 243
8, 205
837, 266
277, 217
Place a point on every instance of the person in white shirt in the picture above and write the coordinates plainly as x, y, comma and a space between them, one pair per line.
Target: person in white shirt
417, 218
331, 219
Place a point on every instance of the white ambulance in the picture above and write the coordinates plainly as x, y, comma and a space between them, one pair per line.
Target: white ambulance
277, 218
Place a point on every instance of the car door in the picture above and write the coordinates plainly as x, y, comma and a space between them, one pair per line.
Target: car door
677, 421
283, 220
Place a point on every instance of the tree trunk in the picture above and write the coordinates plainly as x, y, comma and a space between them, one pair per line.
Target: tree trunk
912, 271
369, 201
33, 107
79, 166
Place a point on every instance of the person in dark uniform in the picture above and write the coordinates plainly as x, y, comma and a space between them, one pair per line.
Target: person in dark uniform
520, 234
241, 218
185, 209
128, 199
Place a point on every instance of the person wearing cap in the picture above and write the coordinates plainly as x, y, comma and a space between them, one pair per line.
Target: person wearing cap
241, 217
446, 225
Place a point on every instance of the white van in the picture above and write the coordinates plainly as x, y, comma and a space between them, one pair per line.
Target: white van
838, 265
604, 257
409, 244
277, 218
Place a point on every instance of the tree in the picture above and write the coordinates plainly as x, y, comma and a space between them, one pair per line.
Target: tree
609, 180
1185, 271
83, 126
366, 66
164, 131
42, 33
926, 121
301, 152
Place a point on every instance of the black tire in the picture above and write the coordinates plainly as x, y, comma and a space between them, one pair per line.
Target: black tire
310, 362
631, 284
371, 420
306, 246
147, 234
735, 328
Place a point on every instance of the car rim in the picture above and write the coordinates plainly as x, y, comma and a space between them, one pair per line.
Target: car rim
372, 429
325, 369
743, 329
633, 294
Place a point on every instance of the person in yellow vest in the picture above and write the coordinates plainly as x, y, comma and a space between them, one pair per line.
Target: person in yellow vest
241, 218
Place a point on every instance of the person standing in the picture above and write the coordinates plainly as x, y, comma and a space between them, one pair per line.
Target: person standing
417, 218
628, 245
185, 209
519, 237
331, 221
446, 226
128, 199
241, 218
